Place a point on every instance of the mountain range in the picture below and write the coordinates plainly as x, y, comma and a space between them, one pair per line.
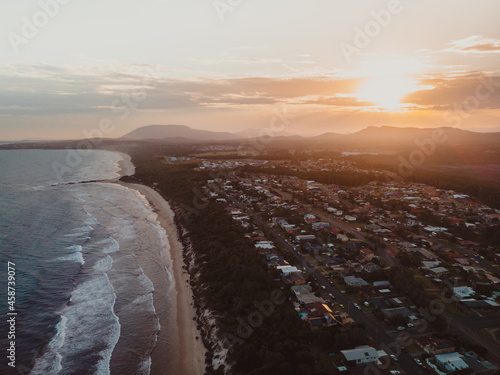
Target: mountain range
383, 137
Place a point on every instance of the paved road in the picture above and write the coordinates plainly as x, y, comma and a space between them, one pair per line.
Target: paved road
339, 224
478, 323
471, 331
373, 329
483, 263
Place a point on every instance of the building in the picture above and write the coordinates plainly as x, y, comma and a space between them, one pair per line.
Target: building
287, 269
361, 355
320, 225
295, 278
438, 271
355, 281
435, 346
450, 362
462, 292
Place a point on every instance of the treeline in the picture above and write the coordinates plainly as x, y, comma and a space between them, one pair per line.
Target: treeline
232, 278
342, 178
433, 173
487, 192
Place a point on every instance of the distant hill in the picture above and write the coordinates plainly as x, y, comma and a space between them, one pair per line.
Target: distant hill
389, 137
177, 133
257, 132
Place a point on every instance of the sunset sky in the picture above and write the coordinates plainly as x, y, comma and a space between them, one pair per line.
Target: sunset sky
332, 66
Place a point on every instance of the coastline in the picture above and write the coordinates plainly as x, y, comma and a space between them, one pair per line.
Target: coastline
186, 341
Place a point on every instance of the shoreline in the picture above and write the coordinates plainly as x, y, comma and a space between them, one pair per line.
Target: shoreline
189, 346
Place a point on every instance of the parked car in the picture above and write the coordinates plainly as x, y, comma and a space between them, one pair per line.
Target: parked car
410, 325
366, 303
395, 372
357, 306
401, 328
394, 358
419, 362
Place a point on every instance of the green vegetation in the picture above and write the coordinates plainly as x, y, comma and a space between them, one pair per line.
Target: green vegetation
343, 178
231, 275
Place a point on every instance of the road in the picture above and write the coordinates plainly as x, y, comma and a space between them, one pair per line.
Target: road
487, 266
372, 328
470, 328
339, 224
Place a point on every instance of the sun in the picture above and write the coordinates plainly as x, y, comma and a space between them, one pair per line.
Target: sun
387, 91
388, 80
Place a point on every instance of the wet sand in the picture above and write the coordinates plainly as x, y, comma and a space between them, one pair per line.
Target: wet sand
187, 354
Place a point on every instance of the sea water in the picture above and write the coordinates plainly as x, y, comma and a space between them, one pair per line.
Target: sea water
84, 302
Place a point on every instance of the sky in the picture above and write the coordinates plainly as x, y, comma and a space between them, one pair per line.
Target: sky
70, 69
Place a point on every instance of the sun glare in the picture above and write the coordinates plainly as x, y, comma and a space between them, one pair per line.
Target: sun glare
389, 80
386, 91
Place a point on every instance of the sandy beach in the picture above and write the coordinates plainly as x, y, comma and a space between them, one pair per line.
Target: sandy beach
189, 351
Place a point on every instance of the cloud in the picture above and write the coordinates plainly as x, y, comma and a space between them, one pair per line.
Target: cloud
44, 90
450, 91
335, 101
474, 44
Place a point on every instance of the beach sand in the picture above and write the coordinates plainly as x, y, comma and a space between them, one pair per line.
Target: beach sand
189, 357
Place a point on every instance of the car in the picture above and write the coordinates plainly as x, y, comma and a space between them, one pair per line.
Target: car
366, 303
394, 358
324, 287
419, 362
331, 295
395, 372
401, 328
357, 306
410, 325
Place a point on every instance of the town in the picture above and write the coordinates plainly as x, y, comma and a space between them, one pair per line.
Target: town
395, 257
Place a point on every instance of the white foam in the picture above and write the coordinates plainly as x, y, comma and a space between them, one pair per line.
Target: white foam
104, 264
114, 247
76, 257
145, 367
80, 231
50, 362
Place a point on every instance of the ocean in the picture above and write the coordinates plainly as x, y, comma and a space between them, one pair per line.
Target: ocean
91, 267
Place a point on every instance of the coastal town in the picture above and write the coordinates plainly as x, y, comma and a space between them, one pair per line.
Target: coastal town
339, 251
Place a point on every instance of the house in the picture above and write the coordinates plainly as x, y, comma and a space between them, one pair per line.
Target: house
305, 237
371, 267
480, 304
462, 292
450, 362
295, 278
310, 218
435, 346
480, 367
355, 281
367, 253
264, 245
438, 271
287, 269
361, 355
304, 295
381, 283
430, 264
320, 225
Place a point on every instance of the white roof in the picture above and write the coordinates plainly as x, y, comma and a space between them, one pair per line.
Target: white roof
453, 360
359, 352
